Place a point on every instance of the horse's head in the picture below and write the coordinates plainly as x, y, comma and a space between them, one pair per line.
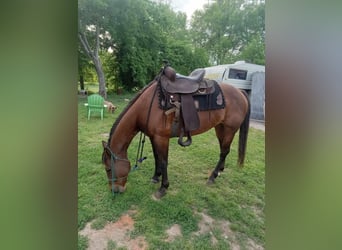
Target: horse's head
117, 169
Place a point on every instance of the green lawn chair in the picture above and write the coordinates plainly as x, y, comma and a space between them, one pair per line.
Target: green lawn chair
95, 104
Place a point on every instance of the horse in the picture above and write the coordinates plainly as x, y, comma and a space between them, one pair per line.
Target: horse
144, 114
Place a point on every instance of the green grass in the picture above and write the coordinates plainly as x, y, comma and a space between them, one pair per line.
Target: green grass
238, 195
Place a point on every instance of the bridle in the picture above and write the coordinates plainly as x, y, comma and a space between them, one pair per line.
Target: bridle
113, 159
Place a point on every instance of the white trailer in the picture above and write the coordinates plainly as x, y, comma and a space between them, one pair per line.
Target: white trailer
238, 74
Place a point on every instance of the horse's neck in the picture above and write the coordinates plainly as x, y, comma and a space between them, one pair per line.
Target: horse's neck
128, 126
124, 134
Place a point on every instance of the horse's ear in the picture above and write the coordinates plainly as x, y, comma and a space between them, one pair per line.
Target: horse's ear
104, 144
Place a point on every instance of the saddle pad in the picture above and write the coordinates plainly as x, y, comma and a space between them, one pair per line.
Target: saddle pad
210, 102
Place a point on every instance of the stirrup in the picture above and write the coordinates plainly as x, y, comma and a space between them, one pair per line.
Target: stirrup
188, 139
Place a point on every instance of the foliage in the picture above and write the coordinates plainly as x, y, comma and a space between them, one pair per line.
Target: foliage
142, 33
145, 34
226, 27
254, 52
110, 68
237, 195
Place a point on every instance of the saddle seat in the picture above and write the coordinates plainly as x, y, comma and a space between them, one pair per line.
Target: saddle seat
173, 82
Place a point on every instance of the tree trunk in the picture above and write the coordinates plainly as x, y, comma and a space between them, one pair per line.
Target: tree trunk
94, 56
81, 82
101, 78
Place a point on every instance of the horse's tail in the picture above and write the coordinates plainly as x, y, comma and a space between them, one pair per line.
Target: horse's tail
243, 134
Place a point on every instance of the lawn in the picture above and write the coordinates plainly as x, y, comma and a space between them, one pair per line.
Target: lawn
192, 215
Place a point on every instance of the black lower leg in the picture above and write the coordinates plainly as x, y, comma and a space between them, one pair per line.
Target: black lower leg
157, 170
222, 160
219, 166
165, 182
157, 174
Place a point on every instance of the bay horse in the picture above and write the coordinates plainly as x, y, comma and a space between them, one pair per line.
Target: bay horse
143, 114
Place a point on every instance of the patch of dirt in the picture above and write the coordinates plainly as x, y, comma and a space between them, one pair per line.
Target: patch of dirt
252, 245
230, 235
173, 232
207, 224
117, 232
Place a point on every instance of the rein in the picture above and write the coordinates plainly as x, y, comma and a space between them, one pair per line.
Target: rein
139, 158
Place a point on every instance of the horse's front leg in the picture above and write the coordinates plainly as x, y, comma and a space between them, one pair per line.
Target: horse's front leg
157, 170
161, 150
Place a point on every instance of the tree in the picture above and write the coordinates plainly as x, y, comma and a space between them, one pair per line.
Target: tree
227, 27
110, 68
145, 33
142, 34
82, 64
138, 42
254, 52
252, 33
91, 26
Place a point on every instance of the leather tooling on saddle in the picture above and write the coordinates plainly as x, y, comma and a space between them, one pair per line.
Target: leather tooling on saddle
186, 95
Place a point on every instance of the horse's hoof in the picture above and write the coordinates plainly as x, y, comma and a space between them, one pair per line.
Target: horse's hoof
159, 194
154, 181
210, 182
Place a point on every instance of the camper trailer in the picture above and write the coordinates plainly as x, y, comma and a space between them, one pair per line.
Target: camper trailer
238, 74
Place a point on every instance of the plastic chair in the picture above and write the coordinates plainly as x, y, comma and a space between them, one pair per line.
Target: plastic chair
95, 104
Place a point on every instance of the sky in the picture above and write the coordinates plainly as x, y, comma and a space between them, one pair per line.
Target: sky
188, 6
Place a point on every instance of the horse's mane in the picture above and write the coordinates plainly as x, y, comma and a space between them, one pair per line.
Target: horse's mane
135, 98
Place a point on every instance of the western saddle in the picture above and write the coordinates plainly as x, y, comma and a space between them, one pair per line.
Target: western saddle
178, 92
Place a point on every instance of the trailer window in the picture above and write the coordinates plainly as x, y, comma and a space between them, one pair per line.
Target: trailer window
237, 74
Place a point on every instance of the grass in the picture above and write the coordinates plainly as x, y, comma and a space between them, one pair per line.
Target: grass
238, 195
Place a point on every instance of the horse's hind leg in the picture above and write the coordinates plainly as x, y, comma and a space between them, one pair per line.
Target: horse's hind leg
225, 137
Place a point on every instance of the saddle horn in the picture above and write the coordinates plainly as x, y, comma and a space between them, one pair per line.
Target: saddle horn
170, 73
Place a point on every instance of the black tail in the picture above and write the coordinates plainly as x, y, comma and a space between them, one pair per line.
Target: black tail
243, 134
